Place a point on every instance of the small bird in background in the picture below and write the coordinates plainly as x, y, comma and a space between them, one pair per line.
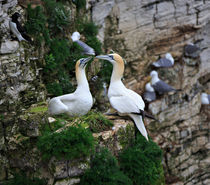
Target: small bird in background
191, 50
205, 99
149, 94
125, 101
168, 61
79, 102
160, 86
17, 29
87, 50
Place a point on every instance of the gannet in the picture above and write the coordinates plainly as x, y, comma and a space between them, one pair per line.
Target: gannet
17, 29
86, 49
125, 101
77, 103
205, 99
149, 94
168, 61
160, 86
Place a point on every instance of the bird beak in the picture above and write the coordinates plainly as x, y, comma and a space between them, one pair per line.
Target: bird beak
86, 60
148, 79
103, 57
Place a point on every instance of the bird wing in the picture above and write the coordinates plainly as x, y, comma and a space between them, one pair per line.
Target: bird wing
123, 104
86, 49
67, 97
163, 62
162, 87
136, 98
149, 96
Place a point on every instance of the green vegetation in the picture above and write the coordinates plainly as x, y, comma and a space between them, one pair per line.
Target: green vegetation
142, 162
22, 179
97, 122
104, 171
74, 142
80, 4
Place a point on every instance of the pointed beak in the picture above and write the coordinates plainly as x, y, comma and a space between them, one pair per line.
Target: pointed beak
103, 57
86, 60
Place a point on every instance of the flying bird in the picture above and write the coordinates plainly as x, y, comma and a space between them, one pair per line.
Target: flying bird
160, 86
87, 50
125, 101
191, 50
149, 94
205, 99
17, 29
77, 103
168, 61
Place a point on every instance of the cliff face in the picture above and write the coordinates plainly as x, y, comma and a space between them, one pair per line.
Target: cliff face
140, 31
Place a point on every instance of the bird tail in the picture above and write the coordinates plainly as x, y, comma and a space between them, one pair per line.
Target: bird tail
56, 106
139, 124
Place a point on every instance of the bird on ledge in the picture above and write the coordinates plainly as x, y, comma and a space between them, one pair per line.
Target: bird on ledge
205, 99
17, 29
79, 102
125, 101
168, 61
149, 94
87, 50
160, 86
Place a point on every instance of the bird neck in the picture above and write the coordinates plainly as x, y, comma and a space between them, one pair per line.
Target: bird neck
81, 79
172, 60
117, 73
155, 79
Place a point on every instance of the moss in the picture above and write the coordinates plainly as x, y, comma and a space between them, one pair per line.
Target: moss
142, 162
126, 136
38, 109
95, 121
22, 179
74, 142
104, 171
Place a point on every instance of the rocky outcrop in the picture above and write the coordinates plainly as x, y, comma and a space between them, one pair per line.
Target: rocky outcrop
141, 31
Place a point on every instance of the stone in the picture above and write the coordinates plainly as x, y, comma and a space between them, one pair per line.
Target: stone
71, 181
9, 47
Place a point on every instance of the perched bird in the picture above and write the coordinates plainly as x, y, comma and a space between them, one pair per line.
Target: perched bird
86, 49
125, 101
168, 61
191, 50
160, 86
77, 103
17, 29
205, 99
149, 94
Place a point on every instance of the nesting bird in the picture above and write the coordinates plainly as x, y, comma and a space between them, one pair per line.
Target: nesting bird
149, 94
17, 29
87, 50
205, 99
160, 86
168, 61
191, 50
125, 101
77, 103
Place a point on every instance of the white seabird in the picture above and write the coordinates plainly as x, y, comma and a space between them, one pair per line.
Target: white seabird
160, 86
125, 101
86, 49
168, 61
149, 94
205, 99
17, 29
77, 103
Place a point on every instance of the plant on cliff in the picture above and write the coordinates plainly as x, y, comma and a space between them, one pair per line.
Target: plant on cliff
142, 162
74, 142
104, 170
22, 179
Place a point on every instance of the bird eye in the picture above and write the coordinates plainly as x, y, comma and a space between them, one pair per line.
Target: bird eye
111, 56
